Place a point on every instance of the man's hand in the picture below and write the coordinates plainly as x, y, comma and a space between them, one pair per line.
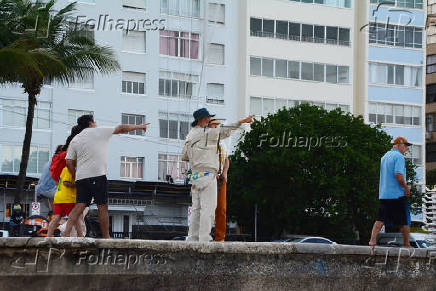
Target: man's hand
143, 126
407, 191
224, 177
248, 119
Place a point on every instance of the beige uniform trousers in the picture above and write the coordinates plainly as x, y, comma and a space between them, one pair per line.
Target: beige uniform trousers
204, 201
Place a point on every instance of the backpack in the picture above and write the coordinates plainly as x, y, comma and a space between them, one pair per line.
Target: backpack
46, 185
58, 163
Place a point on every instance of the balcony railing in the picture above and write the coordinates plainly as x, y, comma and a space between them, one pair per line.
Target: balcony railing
298, 38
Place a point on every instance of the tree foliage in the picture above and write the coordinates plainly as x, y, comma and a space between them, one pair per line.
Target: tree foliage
311, 172
38, 44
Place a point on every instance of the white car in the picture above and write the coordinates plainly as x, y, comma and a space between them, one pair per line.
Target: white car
4, 233
309, 239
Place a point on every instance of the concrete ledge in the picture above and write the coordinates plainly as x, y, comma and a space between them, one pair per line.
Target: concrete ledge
89, 264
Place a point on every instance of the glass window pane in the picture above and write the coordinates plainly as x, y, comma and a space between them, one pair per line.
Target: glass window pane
391, 74
268, 106
332, 35
255, 66
343, 75
163, 128
399, 75
307, 71
294, 31
256, 26
331, 74
344, 36
307, 32
173, 129
294, 70
319, 72
267, 67
282, 29
319, 34
256, 106
281, 68
268, 28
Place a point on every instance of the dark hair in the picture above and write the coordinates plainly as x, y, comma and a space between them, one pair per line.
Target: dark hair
85, 120
74, 131
59, 148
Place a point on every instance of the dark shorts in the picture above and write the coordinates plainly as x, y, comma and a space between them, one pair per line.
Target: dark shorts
393, 211
95, 187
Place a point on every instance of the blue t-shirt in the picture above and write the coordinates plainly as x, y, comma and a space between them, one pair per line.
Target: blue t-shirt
392, 163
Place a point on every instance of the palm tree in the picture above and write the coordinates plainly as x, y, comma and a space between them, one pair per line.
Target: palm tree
39, 44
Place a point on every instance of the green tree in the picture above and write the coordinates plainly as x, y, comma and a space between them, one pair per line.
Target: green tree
309, 171
38, 44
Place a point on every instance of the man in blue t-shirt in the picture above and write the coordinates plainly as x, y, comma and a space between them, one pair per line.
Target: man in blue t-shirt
393, 191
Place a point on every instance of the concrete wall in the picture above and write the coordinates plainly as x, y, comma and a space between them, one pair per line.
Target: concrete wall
73, 264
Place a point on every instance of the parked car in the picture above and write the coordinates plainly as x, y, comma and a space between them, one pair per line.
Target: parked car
308, 239
4, 233
395, 239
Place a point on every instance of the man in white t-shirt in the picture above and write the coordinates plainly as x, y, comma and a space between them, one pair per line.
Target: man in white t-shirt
86, 161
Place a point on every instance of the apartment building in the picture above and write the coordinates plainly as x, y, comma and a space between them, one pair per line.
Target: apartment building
396, 60
293, 52
430, 107
176, 56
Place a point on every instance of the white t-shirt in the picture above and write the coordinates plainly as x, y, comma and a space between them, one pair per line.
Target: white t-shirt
89, 149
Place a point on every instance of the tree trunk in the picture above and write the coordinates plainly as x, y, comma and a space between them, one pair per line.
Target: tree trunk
18, 197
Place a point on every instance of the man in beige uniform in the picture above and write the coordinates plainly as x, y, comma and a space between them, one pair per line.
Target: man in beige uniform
200, 150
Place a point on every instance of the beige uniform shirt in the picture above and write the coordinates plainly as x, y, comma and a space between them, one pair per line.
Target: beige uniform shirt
200, 148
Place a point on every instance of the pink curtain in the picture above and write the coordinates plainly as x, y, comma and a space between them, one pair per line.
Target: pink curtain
195, 44
168, 42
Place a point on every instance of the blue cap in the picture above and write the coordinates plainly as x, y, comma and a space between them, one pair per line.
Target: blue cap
199, 114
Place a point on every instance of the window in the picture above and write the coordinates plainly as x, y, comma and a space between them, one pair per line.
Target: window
395, 74
268, 67
217, 13
74, 114
333, 3
132, 167
172, 84
431, 93
10, 158
431, 64
180, 44
281, 70
173, 126
172, 165
299, 32
262, 106
255, 66
13, 113
133, 83
395, 35
187, 8
215, 54
386, 113
215, 93
134, 4
133, 119
414, 154
331, 74
307, 71
291, 69
134, 41
85, 82
417, 4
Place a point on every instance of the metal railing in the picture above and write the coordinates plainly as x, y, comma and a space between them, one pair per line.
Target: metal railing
122, 201
121, 235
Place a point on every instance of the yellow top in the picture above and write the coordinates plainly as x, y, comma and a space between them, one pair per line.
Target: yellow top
65, 194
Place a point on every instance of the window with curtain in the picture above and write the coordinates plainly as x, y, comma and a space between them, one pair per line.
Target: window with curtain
217, 13
133, 83
133, 119
179, 44
171, 165
186, 8
132, 167
431, 93
134, 41
431, 64
281, 68
395, 74
215, 93
13, 113
267, 67
74, 114
173, 125
215, 54
174, 84
255, 66
387, 113
84, 82
10, 158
